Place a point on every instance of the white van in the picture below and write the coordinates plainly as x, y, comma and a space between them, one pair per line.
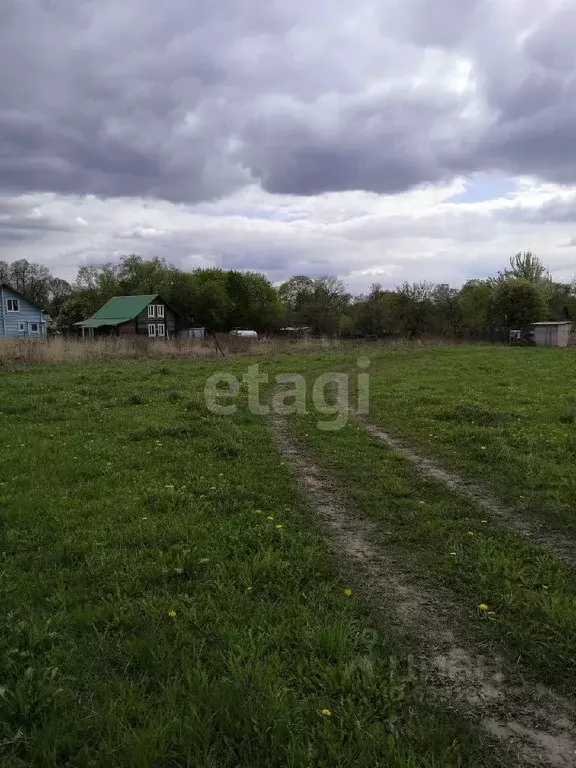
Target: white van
243, 334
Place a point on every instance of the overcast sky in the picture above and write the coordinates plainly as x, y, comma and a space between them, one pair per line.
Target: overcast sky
378, 140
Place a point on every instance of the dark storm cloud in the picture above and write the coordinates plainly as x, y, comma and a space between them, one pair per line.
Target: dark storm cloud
19, 222
187, 101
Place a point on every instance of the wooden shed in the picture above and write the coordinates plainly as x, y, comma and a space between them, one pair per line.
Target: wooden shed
552, 334
146, 315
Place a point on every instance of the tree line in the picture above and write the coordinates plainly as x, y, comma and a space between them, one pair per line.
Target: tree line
220, 300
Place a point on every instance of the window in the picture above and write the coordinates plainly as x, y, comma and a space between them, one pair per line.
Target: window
161, 330
21, 327
13, 305
33, 327
159, 310
151, 329
151, 310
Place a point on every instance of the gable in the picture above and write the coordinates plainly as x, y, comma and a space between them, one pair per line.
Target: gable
9, 293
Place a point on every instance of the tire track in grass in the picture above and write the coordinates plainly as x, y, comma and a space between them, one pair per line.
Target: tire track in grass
531, 725
556, 544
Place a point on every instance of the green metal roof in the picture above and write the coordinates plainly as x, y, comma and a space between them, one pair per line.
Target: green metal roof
117, 310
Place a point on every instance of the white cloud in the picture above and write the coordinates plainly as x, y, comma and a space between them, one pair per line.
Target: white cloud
359, 236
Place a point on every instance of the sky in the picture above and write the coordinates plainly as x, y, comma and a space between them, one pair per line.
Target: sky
379, 141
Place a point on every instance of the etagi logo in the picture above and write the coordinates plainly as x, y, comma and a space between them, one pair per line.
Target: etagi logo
330, 394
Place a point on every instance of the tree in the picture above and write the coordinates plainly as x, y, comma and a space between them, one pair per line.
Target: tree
527, 266
518, 303
414, 304
99, 282
74, 309
254, 302
446, 315
296, 291
476, 300
316, 302
210, 304
59, 291
376, 314
139, 276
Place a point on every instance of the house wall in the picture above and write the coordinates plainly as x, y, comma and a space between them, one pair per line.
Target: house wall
127, 328
12, 322
170, 320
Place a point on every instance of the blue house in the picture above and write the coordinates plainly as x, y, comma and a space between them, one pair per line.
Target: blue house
20, 318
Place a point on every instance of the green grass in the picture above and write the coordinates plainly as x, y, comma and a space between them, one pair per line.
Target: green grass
153, 613
499, 416
443, 540
505, 416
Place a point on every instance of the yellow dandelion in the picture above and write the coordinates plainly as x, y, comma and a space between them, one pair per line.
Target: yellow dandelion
269, 517
482, 607
326, 712
348, 592
279, 525
172, 613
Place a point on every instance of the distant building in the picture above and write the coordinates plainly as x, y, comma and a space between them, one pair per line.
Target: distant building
552, 334
521, 336
192, 333
19, 317
148, 315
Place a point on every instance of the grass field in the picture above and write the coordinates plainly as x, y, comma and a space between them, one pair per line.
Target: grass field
170, 600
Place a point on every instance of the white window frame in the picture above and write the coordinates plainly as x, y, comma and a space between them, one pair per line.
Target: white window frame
161, 330
160, 311
151, 310
152, 330
32, 327
21, 327
14, 303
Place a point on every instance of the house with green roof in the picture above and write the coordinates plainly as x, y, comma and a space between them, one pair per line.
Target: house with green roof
147, 315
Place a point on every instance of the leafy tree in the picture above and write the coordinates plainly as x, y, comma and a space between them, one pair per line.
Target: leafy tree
527, 266
414, 305
296, 292
476, 307
139, 276
376, 314
561, 302
77, 307
209, 299
99, 282
254, 302
519, 302
316, 302
59, 292
446, 314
